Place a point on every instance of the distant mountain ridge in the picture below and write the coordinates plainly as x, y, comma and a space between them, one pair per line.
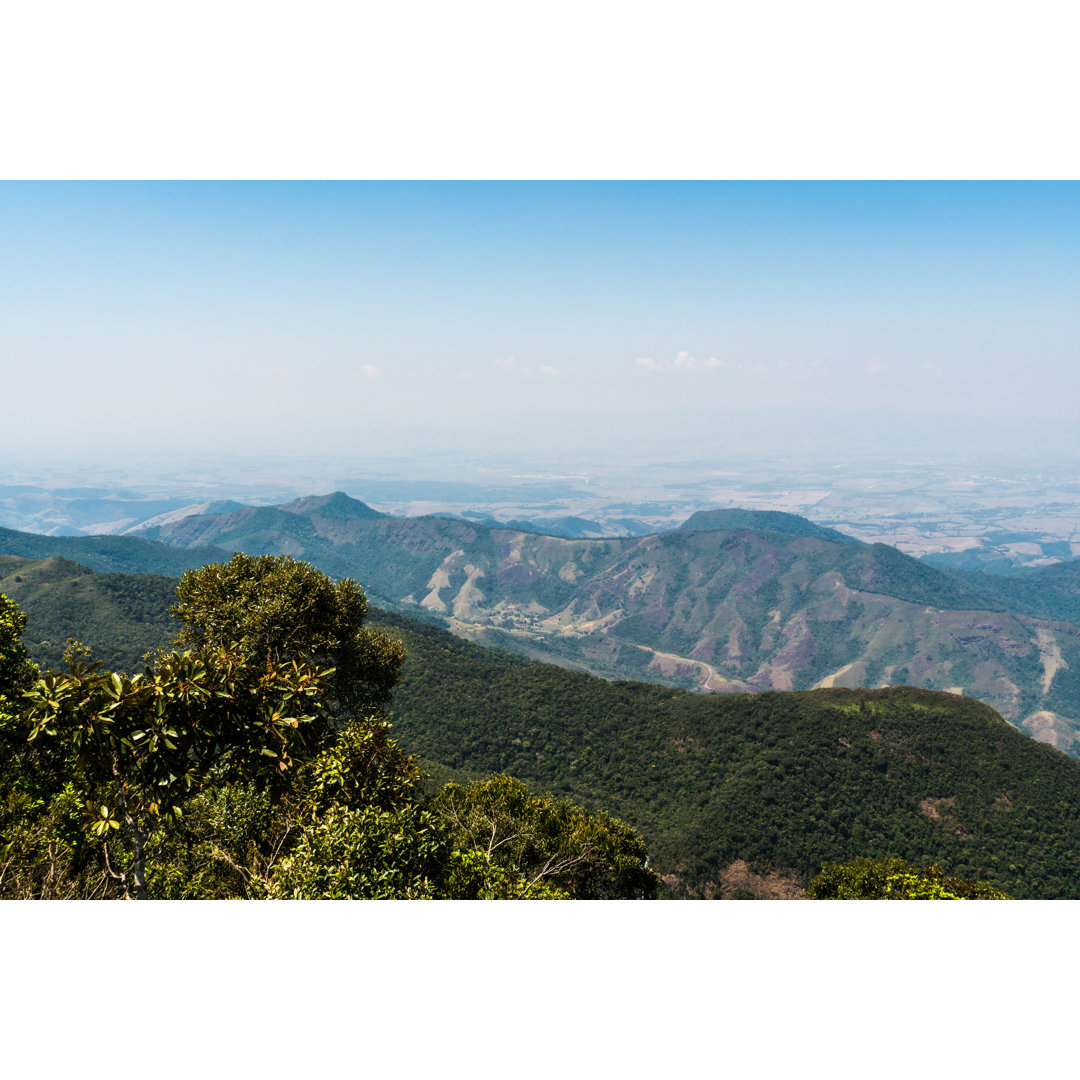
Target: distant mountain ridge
335, 505
728, 609
761, 521
787, 605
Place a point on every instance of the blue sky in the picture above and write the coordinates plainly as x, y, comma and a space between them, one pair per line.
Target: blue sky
331, 314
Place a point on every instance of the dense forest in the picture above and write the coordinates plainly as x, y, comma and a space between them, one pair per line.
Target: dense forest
252, 758
731, 795
785, 781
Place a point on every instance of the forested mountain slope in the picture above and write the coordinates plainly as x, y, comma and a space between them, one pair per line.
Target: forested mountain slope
699, 608
733, 792
1049, 592
783, 781
122, 554
123, 616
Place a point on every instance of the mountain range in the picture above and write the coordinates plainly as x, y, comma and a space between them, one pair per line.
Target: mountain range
731, 601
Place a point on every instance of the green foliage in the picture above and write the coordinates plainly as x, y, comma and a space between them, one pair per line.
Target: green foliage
366, 854
45, 853
362, 767
17, 674
349, 826
124, 616
895, 879
35, 806
16, 671
226, 846
235, 769
528, 846
140, 748
277, 608
786, 781
364, 831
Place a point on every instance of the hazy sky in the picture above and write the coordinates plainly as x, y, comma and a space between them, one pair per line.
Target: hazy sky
328, 316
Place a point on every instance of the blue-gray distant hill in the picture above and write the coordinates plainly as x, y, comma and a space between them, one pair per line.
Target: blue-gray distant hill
112, 554
335, 505
774, 521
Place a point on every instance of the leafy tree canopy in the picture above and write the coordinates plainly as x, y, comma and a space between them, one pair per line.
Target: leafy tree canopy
275, 608
530, 846
245, 766
895, 879
139, 748
16, 671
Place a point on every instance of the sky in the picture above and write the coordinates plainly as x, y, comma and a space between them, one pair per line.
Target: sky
373, 316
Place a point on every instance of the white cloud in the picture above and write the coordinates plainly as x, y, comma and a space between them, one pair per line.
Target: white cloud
369, 371
551, 372
683, 362
876, 367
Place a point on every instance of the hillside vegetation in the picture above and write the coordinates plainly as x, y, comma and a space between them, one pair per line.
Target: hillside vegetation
734, 793
785, 782
253, 760
733, 601
124, 615
121, 554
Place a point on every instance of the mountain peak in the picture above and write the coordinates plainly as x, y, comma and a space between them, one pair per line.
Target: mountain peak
760, 521
337, 504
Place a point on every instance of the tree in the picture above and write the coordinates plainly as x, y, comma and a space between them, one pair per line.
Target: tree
16, 671
141, 748
17, 675
352, 814
21, 802
276, 608
895, 879
524, 846
366, 833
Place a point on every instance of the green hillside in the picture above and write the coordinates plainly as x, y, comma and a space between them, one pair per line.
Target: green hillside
785, 781
1049, 592
120, 554
122, 616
